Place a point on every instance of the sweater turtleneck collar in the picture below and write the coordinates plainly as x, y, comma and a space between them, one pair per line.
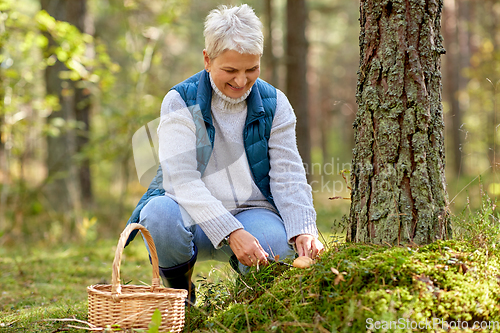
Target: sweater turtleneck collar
227, 103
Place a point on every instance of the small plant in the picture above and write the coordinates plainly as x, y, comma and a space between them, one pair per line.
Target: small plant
154, 325
480, 226
87, 228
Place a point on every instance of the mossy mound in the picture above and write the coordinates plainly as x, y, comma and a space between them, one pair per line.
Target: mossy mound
363, 288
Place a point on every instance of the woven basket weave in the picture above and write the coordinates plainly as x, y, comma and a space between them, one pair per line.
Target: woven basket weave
132, 306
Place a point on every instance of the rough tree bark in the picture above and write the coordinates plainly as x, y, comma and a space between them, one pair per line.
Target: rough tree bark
296, 69
398, 183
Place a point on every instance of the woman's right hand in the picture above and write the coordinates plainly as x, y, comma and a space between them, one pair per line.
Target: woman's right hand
247, 248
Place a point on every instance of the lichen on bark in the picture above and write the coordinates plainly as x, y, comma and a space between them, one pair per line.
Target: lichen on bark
398, 184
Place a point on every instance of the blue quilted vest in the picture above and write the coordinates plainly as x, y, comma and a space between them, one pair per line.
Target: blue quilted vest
261, 107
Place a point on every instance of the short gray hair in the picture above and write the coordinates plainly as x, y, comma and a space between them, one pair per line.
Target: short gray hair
233, 28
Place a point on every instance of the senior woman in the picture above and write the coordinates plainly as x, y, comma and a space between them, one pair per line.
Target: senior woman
231, 182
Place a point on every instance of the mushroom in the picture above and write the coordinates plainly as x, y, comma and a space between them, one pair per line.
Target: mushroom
303, 262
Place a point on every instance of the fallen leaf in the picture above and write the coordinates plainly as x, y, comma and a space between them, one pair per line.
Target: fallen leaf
338, 279
335, 271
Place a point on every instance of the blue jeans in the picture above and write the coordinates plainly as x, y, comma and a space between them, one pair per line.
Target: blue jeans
175, 233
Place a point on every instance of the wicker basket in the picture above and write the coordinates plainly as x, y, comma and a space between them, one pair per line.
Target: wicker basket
133, 306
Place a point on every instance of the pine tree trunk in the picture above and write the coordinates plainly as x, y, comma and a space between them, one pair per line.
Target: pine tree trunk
296, 68
398, 183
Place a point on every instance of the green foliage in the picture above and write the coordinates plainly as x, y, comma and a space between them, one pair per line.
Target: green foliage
21, 44
25, 53
72, 48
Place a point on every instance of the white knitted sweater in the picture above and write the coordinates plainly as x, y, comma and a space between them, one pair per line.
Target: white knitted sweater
227, 187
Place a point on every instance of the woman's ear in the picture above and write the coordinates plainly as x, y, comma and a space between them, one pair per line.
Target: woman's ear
206, 60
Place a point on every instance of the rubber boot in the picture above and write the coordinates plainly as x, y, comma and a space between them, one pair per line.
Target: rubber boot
179, 277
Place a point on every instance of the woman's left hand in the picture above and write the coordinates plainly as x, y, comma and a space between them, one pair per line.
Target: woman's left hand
308, 246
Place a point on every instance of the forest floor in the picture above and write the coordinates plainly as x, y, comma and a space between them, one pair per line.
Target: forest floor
350, 288
445, 286
42, 284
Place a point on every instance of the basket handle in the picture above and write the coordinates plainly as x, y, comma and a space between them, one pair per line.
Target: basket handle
115, 278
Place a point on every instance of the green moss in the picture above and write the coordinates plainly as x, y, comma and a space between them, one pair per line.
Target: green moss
449, 280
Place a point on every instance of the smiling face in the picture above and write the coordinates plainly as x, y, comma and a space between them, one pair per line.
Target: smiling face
232, 72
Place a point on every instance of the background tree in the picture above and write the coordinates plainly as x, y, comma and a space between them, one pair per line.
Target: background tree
271, 62
296, 69
332, 60
3, 157
492, 27
456, 40
25, 208
83, 107
481, 96
398, 183
68, 183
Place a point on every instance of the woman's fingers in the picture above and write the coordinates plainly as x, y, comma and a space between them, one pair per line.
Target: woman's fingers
258, 257
303, 245
250, 253
319, 246
247, 248
308, 246
253, 259
314, 250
